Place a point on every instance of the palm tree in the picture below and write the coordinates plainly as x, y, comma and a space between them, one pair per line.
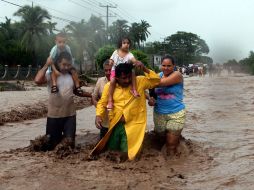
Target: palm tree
135, 34
51, 27
139, 32
144, 33
79, 38
118, 30
97, 31
8, 41
7, 31
33, 26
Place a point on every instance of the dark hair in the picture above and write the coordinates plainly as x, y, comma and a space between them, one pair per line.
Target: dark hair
63, 55
168, 57
106, 62
61, 35
123, 68
120, 41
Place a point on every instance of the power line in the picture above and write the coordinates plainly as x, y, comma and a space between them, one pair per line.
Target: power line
11, 3
107, 12
89, 2
96, 3
92, 2
84, 6
120, 12
56, 17
131, 18
128, 15
61, 12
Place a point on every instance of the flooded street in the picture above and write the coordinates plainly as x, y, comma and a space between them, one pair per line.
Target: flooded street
218, 152
221, 115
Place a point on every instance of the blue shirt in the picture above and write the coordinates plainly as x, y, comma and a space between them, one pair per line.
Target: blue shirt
55, 52
169, 98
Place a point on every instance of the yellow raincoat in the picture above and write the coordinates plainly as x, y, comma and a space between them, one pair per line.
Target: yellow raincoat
133, 110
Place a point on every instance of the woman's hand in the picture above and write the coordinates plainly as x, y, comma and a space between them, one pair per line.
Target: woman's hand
151, 101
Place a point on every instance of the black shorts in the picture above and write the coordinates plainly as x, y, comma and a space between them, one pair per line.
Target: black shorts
57, 128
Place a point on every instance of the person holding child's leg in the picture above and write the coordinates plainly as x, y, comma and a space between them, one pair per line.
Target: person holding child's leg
61, 46
122, 56
61, 116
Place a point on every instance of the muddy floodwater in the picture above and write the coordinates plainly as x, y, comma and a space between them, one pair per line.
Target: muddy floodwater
217, 151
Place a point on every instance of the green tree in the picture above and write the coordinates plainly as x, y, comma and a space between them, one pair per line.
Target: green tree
204, 59
51, 26
78, 38
86, 37
246, 64
144, 33
12, 51
33, 27
97, 37
103, 54
155, 47
117, 30
97, 31
139, 32
135, 34
186, 47
141, 56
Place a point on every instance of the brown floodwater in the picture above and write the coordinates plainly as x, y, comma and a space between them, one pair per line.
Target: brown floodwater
217, 152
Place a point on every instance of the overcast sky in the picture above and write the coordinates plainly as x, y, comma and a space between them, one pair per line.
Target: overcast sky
226, 25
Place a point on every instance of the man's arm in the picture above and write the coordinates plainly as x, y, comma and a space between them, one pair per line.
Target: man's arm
40, 77
86, 94
150, 80
101, 106
95, 95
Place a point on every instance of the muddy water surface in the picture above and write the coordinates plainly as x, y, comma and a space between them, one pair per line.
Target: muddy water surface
218, 155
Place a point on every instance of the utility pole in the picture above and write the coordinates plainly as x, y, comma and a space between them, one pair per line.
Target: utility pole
107, 12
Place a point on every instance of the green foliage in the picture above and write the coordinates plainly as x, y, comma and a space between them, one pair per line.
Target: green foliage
156, 48
204, 59
186, 47
103, 54
117, 30
141, 56
156, 69
247, 63
30, 40
33, 28
137, 32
